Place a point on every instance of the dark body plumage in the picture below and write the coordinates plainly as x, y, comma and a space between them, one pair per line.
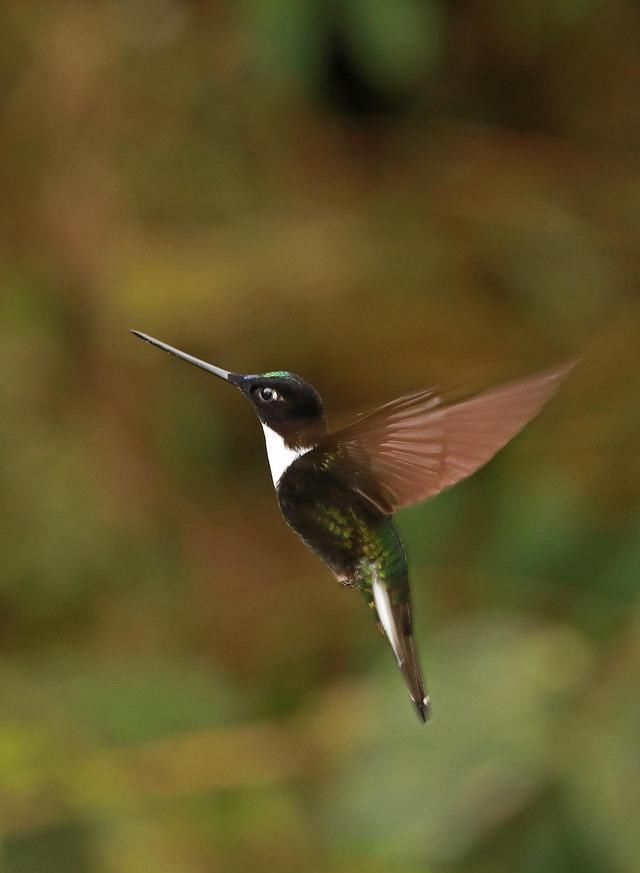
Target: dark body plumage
358, 542
338, 490
339, 524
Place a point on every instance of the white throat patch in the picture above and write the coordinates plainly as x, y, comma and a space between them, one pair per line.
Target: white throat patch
279, 454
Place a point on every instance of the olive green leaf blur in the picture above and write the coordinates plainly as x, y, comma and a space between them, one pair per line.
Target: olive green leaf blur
380, 197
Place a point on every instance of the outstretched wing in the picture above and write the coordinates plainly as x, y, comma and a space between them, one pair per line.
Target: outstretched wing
414, 447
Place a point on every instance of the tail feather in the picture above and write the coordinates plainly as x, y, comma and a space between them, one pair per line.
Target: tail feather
395, 620
410, 668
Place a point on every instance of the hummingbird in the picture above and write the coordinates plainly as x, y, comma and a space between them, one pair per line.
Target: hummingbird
339, 489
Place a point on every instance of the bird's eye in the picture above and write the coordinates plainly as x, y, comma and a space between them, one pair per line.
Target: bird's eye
268, 395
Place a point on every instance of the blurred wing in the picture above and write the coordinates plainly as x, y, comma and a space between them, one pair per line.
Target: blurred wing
413, 447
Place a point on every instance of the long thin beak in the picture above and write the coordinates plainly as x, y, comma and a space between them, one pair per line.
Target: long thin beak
210, 368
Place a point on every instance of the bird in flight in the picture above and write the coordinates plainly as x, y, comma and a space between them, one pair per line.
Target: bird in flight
339, 489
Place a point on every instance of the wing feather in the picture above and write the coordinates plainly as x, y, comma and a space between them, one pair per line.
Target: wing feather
414, 447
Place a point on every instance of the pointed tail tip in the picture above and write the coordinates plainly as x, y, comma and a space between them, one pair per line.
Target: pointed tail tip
423, 708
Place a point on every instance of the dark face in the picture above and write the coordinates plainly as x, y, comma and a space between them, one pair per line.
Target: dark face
282, 400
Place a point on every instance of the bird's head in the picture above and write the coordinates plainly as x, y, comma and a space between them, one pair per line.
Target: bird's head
283, 402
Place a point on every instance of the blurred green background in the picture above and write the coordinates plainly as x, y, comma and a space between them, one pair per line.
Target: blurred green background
380, 196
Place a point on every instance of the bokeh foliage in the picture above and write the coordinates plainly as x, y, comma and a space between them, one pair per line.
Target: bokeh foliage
379, 196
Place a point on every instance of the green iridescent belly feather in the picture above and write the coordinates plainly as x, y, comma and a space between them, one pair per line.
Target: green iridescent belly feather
349, 534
